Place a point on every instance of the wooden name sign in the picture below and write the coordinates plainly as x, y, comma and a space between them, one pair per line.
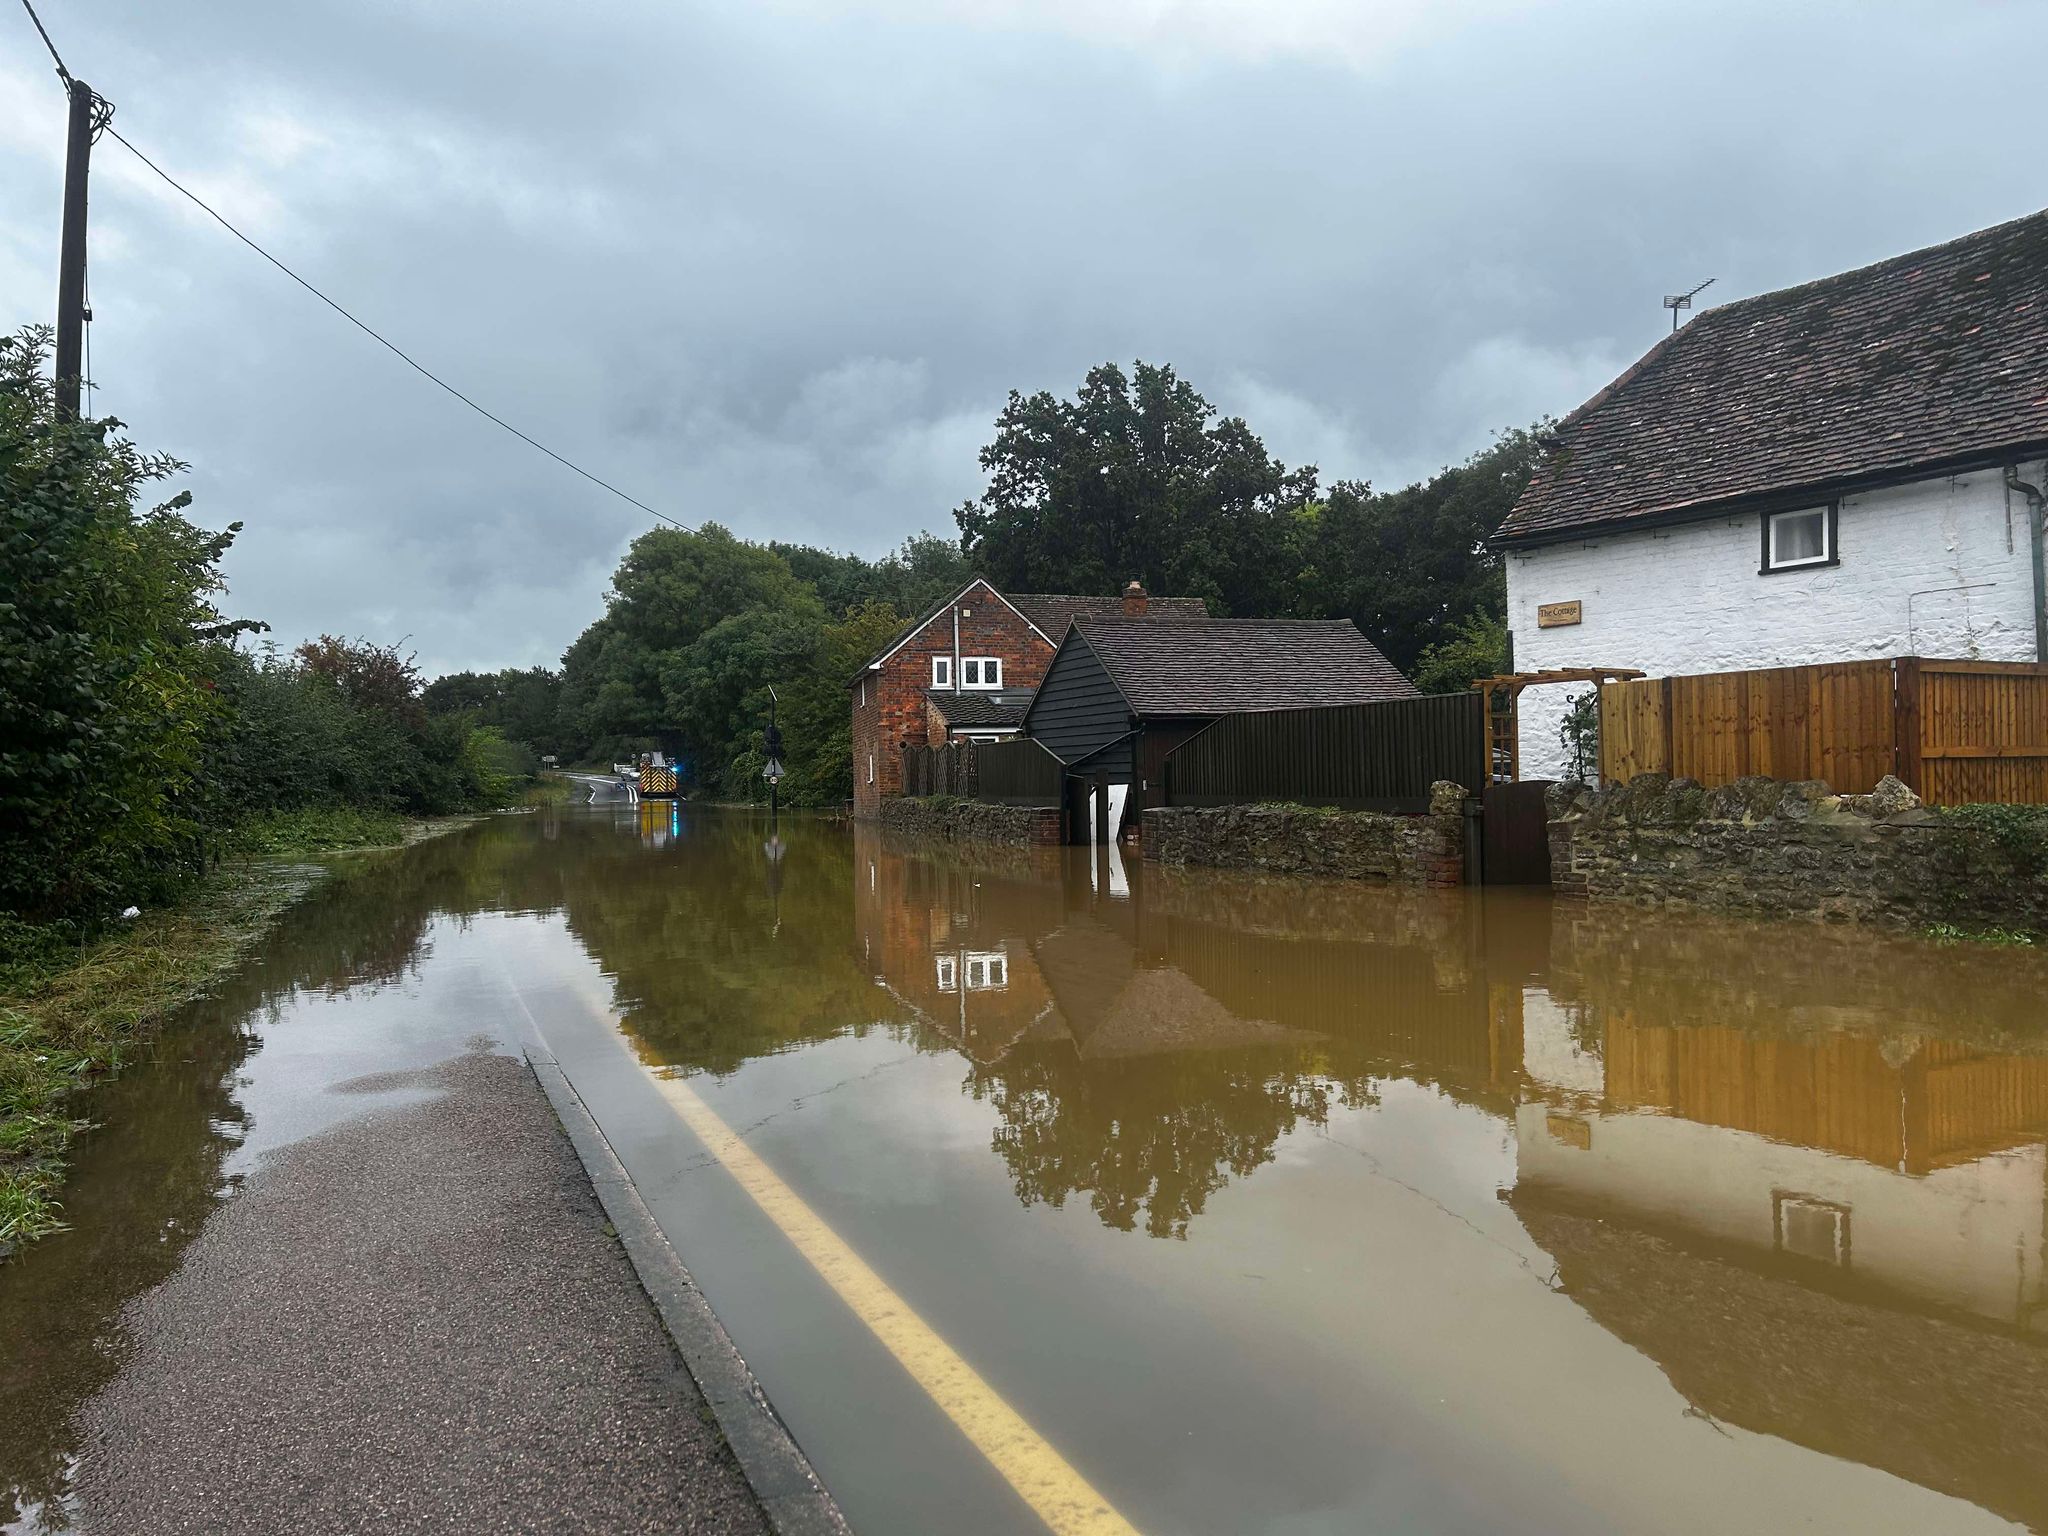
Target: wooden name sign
1557, 615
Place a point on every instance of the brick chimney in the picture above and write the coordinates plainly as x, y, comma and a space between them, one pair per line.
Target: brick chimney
1134, 601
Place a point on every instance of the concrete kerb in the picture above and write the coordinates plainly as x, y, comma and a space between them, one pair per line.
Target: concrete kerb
793, 1499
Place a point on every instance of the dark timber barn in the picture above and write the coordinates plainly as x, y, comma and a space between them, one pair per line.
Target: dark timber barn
1119, 696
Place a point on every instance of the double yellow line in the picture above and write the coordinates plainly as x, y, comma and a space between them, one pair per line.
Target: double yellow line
1060, 1496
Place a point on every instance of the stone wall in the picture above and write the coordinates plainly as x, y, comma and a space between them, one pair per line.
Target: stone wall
1766, 847
945, 818
1311, 840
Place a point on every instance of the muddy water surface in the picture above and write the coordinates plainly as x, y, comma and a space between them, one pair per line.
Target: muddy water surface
1272, 1207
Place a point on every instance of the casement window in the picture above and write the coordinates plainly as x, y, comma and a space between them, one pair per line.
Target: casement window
981, 672
1799, 538
988, 972
949, 974
1810, 1228
942, 671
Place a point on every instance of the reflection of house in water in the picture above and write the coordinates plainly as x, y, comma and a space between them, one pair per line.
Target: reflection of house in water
950, 941
1142, 1043
1920, 1167
1796, 1230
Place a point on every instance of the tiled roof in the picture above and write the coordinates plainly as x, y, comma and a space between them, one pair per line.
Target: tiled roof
1053, 611
1936, 357
1214, 666
984, 709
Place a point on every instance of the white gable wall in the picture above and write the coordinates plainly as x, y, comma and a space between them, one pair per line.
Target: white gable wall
1935, 568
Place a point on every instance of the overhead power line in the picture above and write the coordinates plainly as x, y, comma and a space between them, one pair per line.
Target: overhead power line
390, 346
62, 73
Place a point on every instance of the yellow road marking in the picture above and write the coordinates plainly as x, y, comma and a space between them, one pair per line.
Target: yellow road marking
1059, 1495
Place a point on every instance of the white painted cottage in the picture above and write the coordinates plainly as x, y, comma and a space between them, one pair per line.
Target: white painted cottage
1850, 468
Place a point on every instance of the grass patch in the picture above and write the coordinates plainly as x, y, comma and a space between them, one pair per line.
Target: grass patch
549, 789
1950, 933
320, 829
75, 1005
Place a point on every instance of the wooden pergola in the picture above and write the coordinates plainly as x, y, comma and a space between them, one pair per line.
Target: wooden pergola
1504, 737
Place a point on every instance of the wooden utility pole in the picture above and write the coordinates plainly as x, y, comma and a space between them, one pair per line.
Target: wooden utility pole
71, 254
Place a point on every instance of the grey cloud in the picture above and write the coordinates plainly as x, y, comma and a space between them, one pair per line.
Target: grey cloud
778, 264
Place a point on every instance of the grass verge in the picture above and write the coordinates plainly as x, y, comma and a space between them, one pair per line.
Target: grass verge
73, 1009
548, 789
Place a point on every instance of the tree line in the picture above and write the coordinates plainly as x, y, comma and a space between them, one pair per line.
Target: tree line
1135, 476
142, 730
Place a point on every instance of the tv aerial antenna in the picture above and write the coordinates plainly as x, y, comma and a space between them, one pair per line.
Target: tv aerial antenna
1677, 301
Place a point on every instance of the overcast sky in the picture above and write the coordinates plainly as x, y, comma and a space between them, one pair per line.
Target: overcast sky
776, 264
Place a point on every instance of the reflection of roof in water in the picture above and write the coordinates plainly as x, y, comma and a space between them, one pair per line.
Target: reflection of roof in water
1951, 1405
1116, 1007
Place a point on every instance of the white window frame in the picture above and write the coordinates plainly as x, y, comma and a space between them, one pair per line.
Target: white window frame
942, 671
948, 973
1772, 520
1810, 1206
984, 672
988, 970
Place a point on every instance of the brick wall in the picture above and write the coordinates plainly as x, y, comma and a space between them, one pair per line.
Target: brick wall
895, 711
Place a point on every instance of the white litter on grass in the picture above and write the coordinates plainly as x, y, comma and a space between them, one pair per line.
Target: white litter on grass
128, 914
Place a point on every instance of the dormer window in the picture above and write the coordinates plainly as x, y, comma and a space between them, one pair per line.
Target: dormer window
942, 671
981, 672
1798, 538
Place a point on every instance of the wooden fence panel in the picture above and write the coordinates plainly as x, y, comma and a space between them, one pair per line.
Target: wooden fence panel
1356, 756
1634, 734
1853, 739
1982, 730
1020, 772
1832, 722
1013, 772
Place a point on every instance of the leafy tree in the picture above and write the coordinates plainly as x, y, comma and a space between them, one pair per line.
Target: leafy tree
925, 571
370, 676
1409, 566
106, 656
1135, 477
1476, 647
1579, 734
1146, 1138
524, 704
336, 723
817, 724
700, 626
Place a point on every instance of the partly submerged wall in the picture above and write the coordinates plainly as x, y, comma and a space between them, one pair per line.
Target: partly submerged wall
1311, 840
954, 820
1771, 848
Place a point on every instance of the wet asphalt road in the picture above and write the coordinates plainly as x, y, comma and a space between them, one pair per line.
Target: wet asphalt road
418, 1321
601, 789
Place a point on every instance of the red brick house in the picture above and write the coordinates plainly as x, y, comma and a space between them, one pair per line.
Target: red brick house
966, 670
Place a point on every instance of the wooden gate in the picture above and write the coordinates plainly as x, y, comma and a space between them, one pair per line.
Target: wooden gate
1515, 834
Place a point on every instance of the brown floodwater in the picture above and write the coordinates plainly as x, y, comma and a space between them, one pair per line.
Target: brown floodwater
1272, 1206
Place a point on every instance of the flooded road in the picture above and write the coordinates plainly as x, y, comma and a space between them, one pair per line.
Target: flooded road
1043, 1191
